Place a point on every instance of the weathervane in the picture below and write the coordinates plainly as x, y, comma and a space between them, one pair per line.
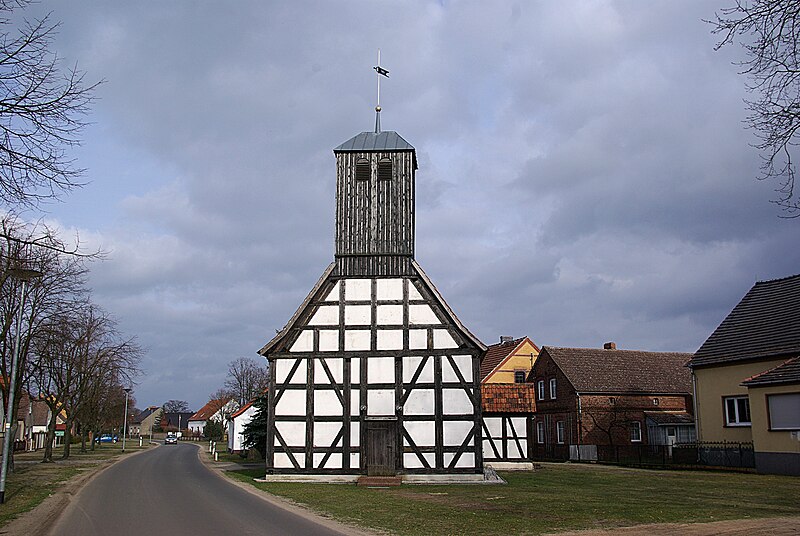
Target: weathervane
381, 72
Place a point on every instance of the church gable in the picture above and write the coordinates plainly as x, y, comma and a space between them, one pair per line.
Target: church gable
375, 315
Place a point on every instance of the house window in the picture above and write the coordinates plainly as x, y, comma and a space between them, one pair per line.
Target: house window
784, 411
519, 376
540, 388
636, 432
655, 401
553, 388
384, 169
737, 411
612, 400
540, 432
362, 170
560, 432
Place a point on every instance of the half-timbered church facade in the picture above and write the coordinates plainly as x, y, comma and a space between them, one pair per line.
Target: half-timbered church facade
374, 374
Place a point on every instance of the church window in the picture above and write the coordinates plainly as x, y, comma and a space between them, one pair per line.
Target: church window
384, 169
362, 170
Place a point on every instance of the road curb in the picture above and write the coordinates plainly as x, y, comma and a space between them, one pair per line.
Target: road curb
285, 504
39, 521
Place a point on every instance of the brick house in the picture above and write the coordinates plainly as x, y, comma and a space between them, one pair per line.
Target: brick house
590, 399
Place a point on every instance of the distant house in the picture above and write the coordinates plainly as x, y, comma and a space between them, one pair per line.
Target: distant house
747, 378
507, 401
33, 418
145, 421
218, 410
175, 421
588, 398
236, 425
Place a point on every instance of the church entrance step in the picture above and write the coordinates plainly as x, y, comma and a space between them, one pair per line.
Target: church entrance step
379, 481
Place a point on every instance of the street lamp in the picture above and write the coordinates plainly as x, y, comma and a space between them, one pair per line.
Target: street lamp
125, 422
24, 275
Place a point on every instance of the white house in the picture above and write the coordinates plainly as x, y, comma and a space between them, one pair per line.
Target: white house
374, 374
236, 426
218, 410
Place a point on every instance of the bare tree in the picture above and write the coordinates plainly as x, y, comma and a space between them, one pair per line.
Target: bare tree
246, 379
41, 110
770, 32
176, 406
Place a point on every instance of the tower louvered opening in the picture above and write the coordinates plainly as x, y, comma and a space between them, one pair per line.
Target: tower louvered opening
385, 169
362, 170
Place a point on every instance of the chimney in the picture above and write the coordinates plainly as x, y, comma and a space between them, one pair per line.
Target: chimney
505, 339
610, 346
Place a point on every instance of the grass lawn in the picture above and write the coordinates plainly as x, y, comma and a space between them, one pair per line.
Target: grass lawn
555, 497
32, 481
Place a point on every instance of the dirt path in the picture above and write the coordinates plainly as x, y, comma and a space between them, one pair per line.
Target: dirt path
773, 526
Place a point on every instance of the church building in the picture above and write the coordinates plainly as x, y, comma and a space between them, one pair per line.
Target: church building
374, 374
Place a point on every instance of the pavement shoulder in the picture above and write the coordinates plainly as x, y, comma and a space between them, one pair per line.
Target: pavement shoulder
40, 520
302, 511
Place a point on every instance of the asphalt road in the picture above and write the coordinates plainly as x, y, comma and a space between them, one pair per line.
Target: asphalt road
168, 490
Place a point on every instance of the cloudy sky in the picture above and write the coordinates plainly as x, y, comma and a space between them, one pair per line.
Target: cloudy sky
584, 172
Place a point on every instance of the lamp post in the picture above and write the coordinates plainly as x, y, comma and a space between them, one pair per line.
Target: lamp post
125, 421
24, 275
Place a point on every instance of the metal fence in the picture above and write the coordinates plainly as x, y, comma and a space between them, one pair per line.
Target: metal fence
700, 454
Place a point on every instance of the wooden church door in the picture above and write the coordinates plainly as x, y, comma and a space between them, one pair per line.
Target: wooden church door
381, 447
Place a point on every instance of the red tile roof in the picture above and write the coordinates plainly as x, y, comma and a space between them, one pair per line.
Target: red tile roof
786, 372
242, 409
508, 397
213, 406
497, 353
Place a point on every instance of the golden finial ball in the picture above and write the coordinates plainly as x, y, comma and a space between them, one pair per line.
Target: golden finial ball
377, 108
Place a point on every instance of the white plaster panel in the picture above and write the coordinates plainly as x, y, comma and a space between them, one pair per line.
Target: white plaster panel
326, 315
467, 459
335, 365
448, 375
391, 315
419, 402
464, 363
514, 450
328, 340
494, 425
418, 339
442, 339
519, 426
355, 340
456, 402
389, 339
412, 461
292, 402
355, 403
390, 289
422, 432
487, 450
326, 402
354, 460
325, 433
304, 343
333, 295
355, 370
410, 365
293, 433
284, 366
357, 315
380, 370
455, 432
282, 461
421, 314
358, 289
355, 437
334, 462
380, 402
413, 293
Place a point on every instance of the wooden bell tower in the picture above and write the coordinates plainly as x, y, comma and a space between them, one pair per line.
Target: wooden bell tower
375, 205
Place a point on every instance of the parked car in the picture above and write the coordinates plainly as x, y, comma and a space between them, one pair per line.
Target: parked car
107, 438
171, 439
